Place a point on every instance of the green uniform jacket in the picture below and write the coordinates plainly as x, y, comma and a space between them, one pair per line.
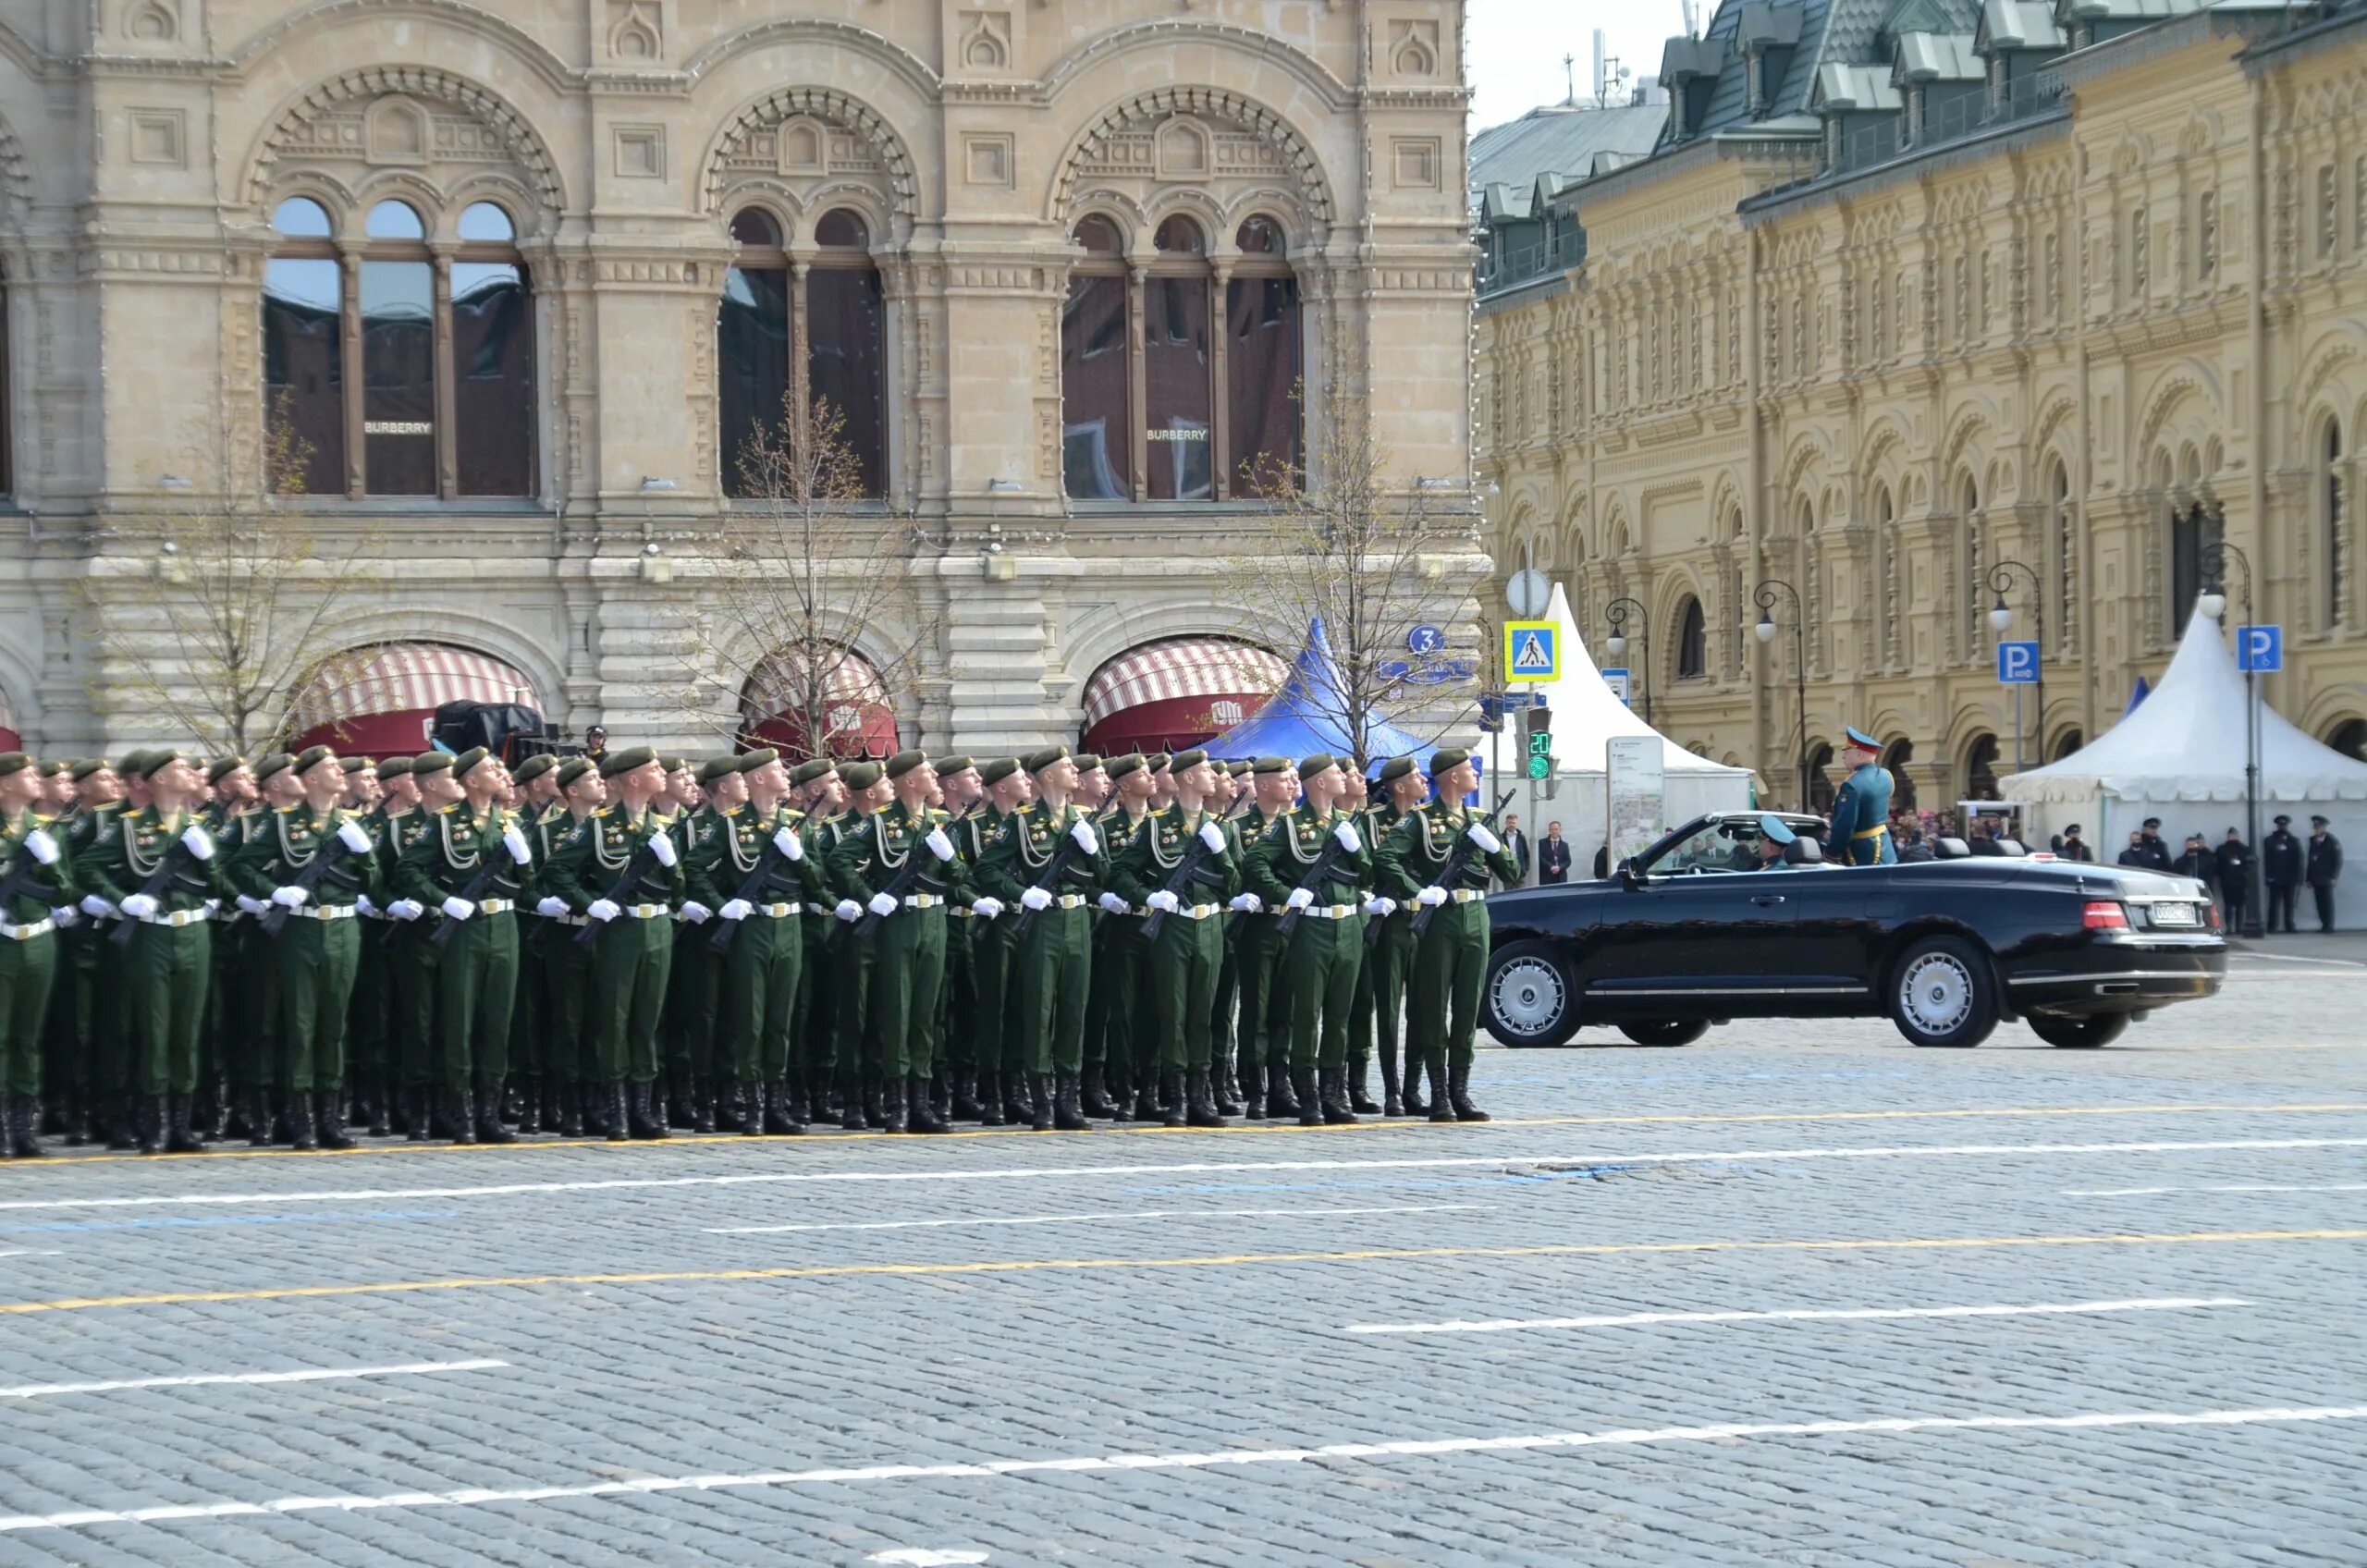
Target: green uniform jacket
120, 862
44, 887
1159, 849
722, 848
588, 857
1119, 832
1280, 859
872, 849
275, 846
442, 858
1023, 849
1413, 853
973, 831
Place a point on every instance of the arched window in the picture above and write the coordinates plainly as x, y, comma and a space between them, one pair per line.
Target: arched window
1969, 512
1179, 358
1692, 642
2066, 743
2330, 509
2193, 531
1262, 365
1886, 544
1820, 772
1981, 769
1895, 760
1097, 381
441, 400
2066, 559
813, 332
2349, 738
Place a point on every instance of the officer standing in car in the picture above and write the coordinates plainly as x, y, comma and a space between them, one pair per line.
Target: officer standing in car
1860, 830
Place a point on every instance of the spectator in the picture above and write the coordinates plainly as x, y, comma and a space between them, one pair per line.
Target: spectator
1913, 850
1553, 856
2197, 862
2158, 853
1517, 843
2235, 859
1983, 840
2072, 847
2325, 870
2281, 864
1602, 862
2137, 854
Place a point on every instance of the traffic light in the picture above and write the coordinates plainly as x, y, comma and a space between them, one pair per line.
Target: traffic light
1537, 728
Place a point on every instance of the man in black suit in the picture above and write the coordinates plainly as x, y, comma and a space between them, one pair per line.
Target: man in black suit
2281, 863
2235, 859
1553, 856
1517, 846
2324, 869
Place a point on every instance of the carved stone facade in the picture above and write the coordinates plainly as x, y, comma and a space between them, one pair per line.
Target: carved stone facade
2047, 343
148, 146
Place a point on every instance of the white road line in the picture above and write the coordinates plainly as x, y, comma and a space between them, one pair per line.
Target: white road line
2239, 1187
1089, 1219
2296, 958
1420, 1448
29, 1252
1543, 1163
1802, 1314
305, 1374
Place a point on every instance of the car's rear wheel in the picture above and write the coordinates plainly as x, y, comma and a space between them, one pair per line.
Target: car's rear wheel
1666, 1031
1942, 992
1530, 998
2079, 1034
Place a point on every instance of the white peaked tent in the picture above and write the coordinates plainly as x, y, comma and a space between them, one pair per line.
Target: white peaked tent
2179, 755
1586, 716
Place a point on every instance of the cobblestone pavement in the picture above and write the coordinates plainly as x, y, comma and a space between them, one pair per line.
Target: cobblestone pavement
1762, 1300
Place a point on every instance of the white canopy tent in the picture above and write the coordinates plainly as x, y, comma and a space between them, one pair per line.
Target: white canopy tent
2180, 756
1586, 716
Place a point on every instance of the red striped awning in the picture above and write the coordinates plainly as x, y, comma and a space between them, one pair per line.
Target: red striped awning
10, 740
379, 702
1177, 692
858, 719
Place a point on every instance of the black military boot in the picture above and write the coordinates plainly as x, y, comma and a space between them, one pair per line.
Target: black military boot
646, 1115
1359, 1097
1095, 1100
415, 1116
1410, 1096
1280, 1102
328, 1129
1222, 1100
182, 1135
921, 1110
1039, 1097
1146, 1099
24, 1141
784, 1109
1018, 1099
1253, 1092
850, 1102
619, 1113
673, 1105
382, 1110
1171, 1086
258, 1120
891, 1098
123, 1133
151, 1119
1337, 1112
49, 1118
1309, 1102
529, 1108
1442, 1108
875, 1113
461, 1115
967, 1106
300, 1121
78, 1121
1068, 1105
489, 1127
703, 1106
1459, 1088
1203, 1108
990, 1100
1391, 1102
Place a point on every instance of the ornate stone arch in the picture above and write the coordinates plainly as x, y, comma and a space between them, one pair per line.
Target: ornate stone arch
743, 145
1265, 46
452, 13
1105, 141
298, 128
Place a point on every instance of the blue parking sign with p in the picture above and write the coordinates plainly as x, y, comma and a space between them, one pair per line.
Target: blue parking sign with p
2017, 664
2260, 649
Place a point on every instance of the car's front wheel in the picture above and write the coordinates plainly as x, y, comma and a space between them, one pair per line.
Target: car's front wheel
1942, 992
1666, 1031
1530, 998
2079, 1034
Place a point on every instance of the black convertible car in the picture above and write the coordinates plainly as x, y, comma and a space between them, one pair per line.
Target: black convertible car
1700, 929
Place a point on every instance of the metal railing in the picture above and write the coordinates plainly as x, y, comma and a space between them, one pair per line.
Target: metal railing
1967, 115
1556, 251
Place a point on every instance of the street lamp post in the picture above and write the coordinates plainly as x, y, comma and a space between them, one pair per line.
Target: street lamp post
2000, 619
2213, 602
1764, 597
1616, 643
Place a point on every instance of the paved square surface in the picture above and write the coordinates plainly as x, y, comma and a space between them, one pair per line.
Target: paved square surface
1797, 1294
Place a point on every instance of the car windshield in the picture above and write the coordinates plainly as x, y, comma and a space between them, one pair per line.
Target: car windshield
1713, 847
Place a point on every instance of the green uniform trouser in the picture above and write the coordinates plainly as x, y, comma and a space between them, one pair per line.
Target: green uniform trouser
246, 1019
1180, 965
1117, 983
631, 962
1228, 990
27, 970
1099, 1025
71, 1067
991, 1037
528, 1040
817, 1002
1387, 962
956, 1011
694, 990
411, 965
316, 960
166, 977
1319, 974
567, 1002
907, 972
115, 1048
851, 964
1450, 968
1051, 978
476, 984
1265, 1010
367, 1026
756, 1007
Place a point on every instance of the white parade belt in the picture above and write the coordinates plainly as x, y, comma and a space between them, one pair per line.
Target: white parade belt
1466, 895
27, 932
1195, 911
177, 918
1327, 912
495, 906
1069, 901
777, 911
923, 901
325, 911
647, 911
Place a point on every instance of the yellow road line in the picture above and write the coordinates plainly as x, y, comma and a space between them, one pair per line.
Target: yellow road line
1233, 1260
733, 1140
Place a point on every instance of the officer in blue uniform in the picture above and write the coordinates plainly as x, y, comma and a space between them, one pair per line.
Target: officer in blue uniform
1860, 830
1774, 837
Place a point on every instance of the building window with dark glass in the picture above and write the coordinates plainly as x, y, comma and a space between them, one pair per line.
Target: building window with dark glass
1692, 642
808, 325
390, 369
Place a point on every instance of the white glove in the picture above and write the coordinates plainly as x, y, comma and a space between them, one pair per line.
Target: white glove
696, 913
291, 897
1248, 904
1346, 834
1477, 833
848, 910
1035, 898
551, 909
1086, 838
406, 909
738, 908
881, 904
349, 834
938, 844
1430, 898
1164, 901
67, 916
198, 841
214, 906
1113, 903
603, 911
1378, 905
253, 906
96, 907
1212, 836
362, 901
791, 846
986, 909
1301, 898
139, 906
458, 908
44, 847
661, 844
515, 842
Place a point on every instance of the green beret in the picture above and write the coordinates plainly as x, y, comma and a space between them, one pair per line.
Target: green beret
1087, 761
153, 763
763, 756
952, 765
1238, 766
718, 767
279, 762
627, 759
1396, 768
861, 776
134, 764
574, 768
467, 759
533, 767
676, 765
1158, 762
994, 770
1036, 762
1449, 757
431, 762
904, 762
394, 768
1309, 766
1118, 767
311, 757
85, 768
53, 767
808, 771
1182, 762
223, 767
14, 761
1270, 765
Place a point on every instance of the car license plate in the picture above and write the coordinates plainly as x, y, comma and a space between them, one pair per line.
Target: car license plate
2177, 914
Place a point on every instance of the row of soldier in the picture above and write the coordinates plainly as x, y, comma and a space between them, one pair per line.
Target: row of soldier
286, 949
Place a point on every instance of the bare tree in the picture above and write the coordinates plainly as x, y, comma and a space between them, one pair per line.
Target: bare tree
237, 618
1372, 556
802, 563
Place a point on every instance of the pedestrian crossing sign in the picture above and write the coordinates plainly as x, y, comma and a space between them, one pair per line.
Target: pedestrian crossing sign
1532, 650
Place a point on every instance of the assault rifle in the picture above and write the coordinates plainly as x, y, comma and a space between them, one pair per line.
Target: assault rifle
1319, 873
1457, 859
900, 884
620, 890
1057, 868
158, 880
756, 882
1181, 877
308, 878
481, 884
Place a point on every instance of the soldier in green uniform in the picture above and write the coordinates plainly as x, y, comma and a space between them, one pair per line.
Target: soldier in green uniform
699, 1078
1000, 1089
64, 1071
237, 1036
1357, 805
470, 867
1047, 858
1264, 1013
860, 1103
1860, 826
1389, 954
1288, 870
1228, 800
1183, 868
531, 1045
624, 873
318, 949
1450, 964
369, 1055
567, 964
959, 798
818, 791
1117, 946
756, 871
101, 1058
37, 878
